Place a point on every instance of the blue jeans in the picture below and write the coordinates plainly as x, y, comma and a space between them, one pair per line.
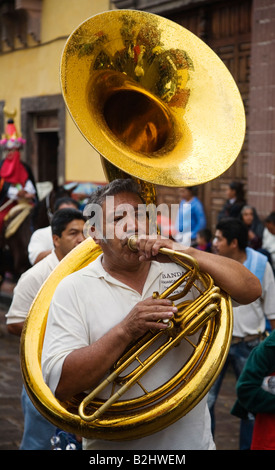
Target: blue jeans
37, 430
238, 354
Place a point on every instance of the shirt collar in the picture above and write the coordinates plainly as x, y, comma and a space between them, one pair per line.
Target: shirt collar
95, 269
53, 259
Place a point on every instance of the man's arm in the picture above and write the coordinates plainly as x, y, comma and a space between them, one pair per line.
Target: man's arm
41, 242
23, 295
15, 328
230, 275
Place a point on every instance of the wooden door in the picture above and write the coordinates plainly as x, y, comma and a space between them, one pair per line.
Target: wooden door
226, 28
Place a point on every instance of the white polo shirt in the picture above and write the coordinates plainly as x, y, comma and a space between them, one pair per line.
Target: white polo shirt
88, 303
27, 287
41, 240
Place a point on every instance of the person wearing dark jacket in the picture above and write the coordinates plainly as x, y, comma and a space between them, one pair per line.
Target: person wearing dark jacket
255, 393
254, 225
235, 201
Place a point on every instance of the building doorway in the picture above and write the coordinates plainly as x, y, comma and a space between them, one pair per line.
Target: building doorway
47, 146
45, 143
43, 124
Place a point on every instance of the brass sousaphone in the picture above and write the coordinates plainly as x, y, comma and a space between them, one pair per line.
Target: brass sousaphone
159, 105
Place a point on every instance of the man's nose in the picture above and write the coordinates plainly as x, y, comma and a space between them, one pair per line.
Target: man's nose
80, 237
215, 241
131, 226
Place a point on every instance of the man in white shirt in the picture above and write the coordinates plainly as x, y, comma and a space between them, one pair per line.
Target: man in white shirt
98, 311
67, 232
41, 242
231, 240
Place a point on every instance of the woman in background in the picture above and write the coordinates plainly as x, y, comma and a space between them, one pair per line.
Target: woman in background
235, 201
255, 227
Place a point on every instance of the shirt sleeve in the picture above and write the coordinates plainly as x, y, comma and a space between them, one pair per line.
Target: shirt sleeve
23, 295
66, 331
41, 240
29, 187
12, 192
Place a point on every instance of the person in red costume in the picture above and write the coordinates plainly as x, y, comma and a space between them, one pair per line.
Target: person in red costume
16, 178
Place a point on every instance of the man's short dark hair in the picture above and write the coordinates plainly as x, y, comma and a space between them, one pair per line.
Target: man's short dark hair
270, 218
117, 186
232, 228
63, 217
65, 200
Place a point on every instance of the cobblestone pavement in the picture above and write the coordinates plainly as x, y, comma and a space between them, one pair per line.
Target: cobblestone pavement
11, 417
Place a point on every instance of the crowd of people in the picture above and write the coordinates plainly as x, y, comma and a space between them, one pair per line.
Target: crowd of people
241, 235
81, 343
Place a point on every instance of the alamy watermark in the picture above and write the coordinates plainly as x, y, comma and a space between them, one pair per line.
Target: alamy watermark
125, 220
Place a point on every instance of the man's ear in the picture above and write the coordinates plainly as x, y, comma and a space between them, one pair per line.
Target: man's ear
94, 234
91, 231
56, 240
234, 243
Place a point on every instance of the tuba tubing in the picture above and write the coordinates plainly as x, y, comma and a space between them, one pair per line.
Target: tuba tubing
118, 419
137, 351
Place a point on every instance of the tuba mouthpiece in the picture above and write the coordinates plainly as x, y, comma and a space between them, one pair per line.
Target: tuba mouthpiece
132, 243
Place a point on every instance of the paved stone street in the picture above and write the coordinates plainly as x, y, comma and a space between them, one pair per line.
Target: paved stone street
11, 417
